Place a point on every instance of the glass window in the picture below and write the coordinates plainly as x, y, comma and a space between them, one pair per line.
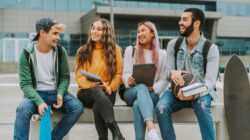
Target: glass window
143, 4
132, 4
9, 50
49, 5
23, 4
36, 4
62, 5
120, 4
154, 5
8, 3
74, 5
229, 46
234, 9
86, 5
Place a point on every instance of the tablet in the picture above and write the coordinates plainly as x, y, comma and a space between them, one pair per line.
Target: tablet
144, 74
91, 77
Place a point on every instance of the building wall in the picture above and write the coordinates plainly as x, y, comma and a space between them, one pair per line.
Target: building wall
232, 26
19, 20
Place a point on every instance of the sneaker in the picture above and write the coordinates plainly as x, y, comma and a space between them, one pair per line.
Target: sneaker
153, 135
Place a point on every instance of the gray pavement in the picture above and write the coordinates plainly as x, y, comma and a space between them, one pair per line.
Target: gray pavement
11, 95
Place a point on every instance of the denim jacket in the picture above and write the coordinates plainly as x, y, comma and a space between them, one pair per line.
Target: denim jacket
196, 64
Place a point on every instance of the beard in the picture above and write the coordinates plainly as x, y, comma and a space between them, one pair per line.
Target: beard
188, 30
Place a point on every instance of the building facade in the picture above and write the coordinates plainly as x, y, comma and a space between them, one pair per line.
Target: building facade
227, 22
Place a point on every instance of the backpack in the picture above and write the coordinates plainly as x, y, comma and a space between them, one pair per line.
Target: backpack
122, 88
205, 50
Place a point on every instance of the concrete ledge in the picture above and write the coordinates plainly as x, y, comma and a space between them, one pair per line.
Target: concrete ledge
124, 114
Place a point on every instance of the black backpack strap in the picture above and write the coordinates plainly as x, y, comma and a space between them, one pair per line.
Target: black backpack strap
27, 55
133, 51
59, 49
176, 49
205, 50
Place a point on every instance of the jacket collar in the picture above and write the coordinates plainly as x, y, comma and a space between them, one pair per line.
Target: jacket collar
31, 47
199, 46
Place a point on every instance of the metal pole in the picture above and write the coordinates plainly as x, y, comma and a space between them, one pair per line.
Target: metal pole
112, 13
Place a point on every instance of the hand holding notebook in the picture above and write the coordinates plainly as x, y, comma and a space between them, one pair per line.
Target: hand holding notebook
144, 74
91, 77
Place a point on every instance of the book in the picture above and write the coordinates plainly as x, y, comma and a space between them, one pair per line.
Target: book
144, 74
91, 77
193, 89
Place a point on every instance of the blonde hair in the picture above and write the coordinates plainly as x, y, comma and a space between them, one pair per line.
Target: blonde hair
59, 27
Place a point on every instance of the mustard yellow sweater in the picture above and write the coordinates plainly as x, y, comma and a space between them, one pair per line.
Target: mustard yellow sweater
99, 68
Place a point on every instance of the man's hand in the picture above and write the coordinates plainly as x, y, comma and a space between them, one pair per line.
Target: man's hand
59, 102
181, 97
177, 78
41, 108
131, 81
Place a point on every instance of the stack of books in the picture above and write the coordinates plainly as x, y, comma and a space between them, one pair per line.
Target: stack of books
193, 89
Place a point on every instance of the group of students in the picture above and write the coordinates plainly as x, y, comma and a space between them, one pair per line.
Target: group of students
44, 78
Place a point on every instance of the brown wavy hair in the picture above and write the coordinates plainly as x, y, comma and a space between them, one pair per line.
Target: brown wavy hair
108, 41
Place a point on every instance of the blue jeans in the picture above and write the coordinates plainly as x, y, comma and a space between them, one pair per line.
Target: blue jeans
143, 104
169, 104
72, 108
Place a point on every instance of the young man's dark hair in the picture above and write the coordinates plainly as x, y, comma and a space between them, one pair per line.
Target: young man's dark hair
197, 14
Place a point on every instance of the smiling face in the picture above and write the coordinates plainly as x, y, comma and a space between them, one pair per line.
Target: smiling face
96, 31
144, 34
186, 24
52, 36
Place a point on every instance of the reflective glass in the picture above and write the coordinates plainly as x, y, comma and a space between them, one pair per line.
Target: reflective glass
74, 5
61, 5
49, 5
9, 50
36, 4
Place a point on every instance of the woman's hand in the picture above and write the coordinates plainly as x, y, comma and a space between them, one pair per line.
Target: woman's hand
131, 81
105, 88
150, 89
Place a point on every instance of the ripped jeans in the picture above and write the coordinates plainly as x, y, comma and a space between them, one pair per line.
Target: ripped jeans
169, 104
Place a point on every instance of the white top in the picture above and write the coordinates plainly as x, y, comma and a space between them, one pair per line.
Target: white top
45, 71
160, 81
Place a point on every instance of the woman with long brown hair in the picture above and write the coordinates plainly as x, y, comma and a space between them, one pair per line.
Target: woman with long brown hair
138, 95
102, 57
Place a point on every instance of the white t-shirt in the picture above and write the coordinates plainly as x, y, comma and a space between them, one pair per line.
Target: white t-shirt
45, 70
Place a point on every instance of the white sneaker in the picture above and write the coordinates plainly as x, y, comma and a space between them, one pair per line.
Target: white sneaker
153, 135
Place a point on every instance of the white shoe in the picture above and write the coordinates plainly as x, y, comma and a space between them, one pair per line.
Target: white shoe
153, 135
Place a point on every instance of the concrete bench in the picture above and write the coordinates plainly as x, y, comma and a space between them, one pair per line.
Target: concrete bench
124, 114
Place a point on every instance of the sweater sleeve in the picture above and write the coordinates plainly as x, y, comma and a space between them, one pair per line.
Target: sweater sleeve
161, 82
116, 82
127, 65
82, 81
